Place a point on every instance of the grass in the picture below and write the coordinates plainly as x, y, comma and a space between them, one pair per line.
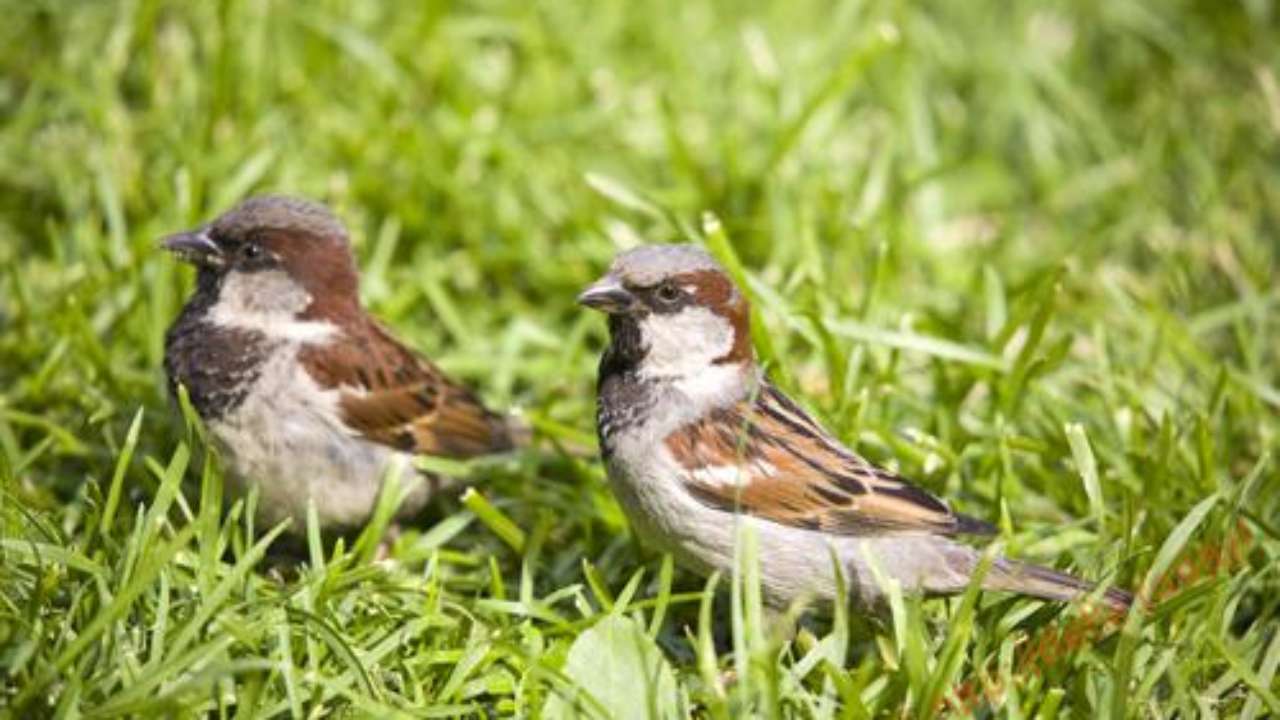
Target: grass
1026, 252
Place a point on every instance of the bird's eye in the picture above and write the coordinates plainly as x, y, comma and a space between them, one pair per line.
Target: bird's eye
668, 292
251, 251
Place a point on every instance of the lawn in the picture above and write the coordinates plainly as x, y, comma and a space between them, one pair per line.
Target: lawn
1027, 253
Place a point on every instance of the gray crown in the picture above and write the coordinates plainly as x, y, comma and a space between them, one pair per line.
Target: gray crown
650, 264
278, 212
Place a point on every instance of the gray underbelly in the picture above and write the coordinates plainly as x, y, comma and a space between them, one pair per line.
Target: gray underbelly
300, 461
794, 563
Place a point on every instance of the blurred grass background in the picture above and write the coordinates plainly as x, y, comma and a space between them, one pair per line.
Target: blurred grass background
1027, 251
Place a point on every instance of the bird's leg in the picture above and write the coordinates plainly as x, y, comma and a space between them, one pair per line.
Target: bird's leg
388, 542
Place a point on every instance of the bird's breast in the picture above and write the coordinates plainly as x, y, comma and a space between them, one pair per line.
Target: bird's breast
217, 365
287, 437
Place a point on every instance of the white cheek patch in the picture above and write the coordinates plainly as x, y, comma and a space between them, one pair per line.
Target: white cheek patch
684, 344
268, 302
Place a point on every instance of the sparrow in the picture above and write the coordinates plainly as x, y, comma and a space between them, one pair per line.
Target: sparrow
306, 396
697, 443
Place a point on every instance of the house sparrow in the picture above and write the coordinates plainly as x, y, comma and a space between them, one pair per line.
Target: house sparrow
697, 442
306, 395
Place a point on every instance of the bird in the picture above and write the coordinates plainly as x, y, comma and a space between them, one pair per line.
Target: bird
306, 396
700, 447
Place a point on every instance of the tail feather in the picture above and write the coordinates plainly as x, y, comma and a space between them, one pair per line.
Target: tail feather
1050, 584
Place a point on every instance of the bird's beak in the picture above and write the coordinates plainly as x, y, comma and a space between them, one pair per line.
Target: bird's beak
194, 247
608, 295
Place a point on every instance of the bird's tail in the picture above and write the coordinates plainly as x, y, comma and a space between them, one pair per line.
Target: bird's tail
1042, 582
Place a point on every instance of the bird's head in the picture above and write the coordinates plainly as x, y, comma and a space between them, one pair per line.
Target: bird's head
674, 313
274, 255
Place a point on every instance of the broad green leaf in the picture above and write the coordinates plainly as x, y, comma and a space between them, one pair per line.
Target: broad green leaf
620, 673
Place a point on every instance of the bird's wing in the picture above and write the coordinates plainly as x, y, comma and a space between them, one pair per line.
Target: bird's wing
394, 396
766, 457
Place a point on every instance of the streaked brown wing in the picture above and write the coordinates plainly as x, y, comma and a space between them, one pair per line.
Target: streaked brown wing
768, 458
394, 396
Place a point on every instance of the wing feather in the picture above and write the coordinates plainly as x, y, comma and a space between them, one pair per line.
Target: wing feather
393, 396
767, 457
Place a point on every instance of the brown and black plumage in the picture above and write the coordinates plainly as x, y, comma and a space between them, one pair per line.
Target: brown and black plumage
310, 399
700, 447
